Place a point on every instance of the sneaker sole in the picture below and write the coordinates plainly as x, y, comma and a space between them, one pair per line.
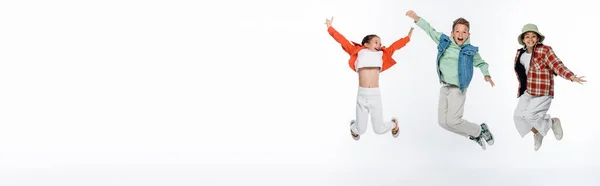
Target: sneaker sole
482, 145
395, 135
354, 137
357, 137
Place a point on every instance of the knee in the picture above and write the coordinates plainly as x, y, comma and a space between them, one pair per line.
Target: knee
443, 123
450, 126
453, 123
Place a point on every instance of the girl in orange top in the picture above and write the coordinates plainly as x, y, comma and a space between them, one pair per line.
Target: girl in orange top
369, 59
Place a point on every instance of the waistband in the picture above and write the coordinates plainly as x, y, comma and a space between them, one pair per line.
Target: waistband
368, 91
449, 85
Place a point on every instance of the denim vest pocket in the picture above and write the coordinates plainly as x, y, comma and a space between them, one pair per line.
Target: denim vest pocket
469, 53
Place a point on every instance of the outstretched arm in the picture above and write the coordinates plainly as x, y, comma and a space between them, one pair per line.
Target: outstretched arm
559, 68
397, 45
433, 34
483, 67
346, 45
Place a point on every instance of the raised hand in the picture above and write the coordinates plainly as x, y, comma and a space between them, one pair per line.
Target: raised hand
489, 79
328, 22
579, 80
412, 15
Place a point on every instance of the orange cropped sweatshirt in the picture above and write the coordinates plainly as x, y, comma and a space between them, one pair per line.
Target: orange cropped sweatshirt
352, 48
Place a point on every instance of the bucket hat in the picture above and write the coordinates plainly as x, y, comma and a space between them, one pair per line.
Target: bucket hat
530, 28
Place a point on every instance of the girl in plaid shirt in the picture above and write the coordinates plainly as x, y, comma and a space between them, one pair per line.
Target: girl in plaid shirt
535, 67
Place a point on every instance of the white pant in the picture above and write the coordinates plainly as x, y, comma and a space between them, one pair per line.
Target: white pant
531, 113
368, 101
451, 107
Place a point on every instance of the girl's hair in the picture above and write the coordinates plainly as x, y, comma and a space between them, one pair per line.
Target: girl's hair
536, 34
368, 39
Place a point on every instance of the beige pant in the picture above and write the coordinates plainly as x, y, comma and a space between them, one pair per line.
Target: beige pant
368, 101
450, 112
531, 113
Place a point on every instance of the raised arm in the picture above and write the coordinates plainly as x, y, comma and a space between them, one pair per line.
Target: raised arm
397, 45
433, 34
346, 45
557, 66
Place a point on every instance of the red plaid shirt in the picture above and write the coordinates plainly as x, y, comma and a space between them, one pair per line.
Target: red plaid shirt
543, 67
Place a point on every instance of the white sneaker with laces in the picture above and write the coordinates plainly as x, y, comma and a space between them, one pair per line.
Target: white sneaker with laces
557, 128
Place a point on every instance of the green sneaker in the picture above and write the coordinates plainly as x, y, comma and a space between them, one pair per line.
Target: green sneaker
487, 134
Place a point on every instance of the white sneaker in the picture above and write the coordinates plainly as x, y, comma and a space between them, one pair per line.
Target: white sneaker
355, 136
557, 128
396, 129
537, 141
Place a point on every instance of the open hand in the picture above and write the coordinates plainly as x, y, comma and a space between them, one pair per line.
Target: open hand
489, 79
328, 22
412, 15
579, 80
410, 32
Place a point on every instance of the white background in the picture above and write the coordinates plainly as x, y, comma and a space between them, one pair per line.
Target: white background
257, 93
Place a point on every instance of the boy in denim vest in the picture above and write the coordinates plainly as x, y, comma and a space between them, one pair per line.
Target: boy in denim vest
455, 61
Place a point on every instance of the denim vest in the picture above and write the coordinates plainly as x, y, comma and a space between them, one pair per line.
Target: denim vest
465, 61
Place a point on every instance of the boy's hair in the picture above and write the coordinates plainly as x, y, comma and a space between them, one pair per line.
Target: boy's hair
368, 39
461, 20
